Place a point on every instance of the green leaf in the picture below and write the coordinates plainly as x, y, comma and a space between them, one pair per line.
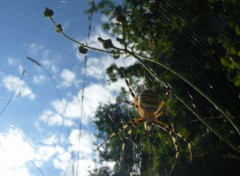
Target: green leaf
237, 81
237, 29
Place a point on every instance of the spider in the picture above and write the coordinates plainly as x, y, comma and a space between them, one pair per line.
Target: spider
149, 108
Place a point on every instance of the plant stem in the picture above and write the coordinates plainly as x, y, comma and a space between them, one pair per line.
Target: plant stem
79, 43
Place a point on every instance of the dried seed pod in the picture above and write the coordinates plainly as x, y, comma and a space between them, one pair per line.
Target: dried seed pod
106, 43
59, 28
83, 50
120, 40
116, 56
119, 14
48, 12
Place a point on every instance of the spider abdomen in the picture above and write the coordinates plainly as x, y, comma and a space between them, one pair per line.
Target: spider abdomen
148, 101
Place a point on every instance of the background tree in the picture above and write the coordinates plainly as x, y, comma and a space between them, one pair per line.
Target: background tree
200, 40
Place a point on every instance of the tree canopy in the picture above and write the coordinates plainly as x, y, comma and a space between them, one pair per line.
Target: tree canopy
190, 49
193, 48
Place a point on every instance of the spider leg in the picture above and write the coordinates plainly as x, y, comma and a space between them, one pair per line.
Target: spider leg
129, 124
137, 105
124, 143
159, 114
177, 151
169, 129
186, 141
133, 125
158, 111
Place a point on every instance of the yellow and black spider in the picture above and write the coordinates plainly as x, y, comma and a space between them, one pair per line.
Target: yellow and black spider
149, 109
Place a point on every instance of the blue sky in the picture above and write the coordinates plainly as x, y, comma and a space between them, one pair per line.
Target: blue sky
41, 127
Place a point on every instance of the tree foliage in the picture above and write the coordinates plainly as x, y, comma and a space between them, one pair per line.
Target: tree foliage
198, 39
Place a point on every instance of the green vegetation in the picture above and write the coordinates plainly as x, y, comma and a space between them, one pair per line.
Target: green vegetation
191, 48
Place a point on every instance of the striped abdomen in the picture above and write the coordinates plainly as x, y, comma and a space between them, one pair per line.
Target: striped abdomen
148, 101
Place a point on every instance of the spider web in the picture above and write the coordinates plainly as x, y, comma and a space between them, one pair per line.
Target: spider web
199, 94
78, 130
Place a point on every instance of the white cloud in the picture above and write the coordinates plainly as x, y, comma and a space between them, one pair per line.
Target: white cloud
45, 56
96, 67
11, 61
44, 154
59, 106
65, 111
15, 152
20, 69
38, 79
85, 149
94, 94
61, 157
51, 118
35, 48
68, 77
12, 83
62, 160
54, 119
50, 140
93, 68
85, 166
50, 65
86, 146
73, 108
14, 171
55, 116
